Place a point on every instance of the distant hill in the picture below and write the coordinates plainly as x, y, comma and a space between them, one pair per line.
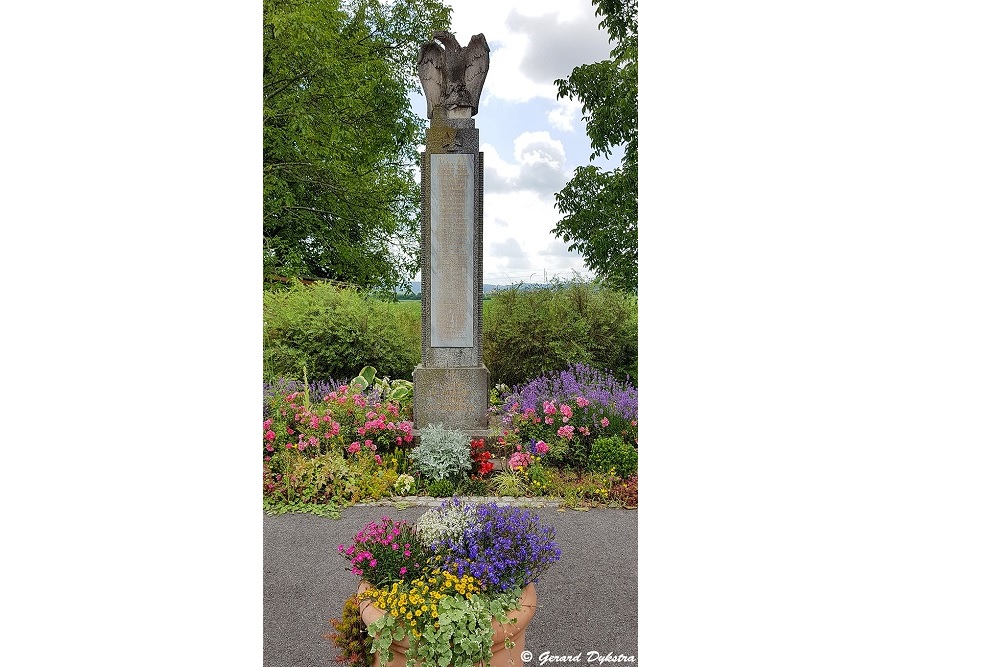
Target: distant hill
487, 288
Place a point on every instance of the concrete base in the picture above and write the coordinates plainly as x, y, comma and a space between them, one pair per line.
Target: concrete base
459, 398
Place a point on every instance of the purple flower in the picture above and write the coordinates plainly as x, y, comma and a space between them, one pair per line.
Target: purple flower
503, 548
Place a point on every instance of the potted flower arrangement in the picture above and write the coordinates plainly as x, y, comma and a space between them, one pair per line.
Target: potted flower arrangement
457, 588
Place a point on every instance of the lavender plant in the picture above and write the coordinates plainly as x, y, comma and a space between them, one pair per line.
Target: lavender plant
567, 411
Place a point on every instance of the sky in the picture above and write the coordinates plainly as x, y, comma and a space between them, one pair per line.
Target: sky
531, 142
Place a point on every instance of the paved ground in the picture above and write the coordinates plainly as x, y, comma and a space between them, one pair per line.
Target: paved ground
586, 602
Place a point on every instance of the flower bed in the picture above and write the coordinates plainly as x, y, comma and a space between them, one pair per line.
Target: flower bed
571, 435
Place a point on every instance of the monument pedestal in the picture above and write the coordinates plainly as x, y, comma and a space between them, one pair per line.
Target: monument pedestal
456, 397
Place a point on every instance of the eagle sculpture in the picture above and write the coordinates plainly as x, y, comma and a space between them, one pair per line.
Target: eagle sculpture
453, 76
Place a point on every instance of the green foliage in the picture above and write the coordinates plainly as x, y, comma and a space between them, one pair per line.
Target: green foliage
276, 506
613, 455
509, 482
474, 486
443, 453
333, 331
601, 208
440, 488
540, 479
340, 138
293, 476
350, 635
464, 635
527, 332
368, 479
398, 390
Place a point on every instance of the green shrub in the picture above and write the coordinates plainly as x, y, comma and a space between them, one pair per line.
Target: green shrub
443, 453
293, 477
612, 454
440, 488
334, 331
530, 331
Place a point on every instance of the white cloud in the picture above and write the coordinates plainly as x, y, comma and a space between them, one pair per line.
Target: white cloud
540, 166
519, 213
565, 114
531, 43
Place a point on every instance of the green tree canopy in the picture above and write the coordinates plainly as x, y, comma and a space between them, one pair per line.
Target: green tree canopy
340, 140
600, 208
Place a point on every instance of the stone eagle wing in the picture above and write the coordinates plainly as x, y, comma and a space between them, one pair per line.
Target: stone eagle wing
477, 64
430, 66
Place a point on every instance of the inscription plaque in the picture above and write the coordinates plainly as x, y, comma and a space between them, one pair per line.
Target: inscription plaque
452, 186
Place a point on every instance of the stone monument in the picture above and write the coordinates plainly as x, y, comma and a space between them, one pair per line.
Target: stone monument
451, 385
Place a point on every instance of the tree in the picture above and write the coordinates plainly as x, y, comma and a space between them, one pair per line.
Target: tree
341, 201
601, 208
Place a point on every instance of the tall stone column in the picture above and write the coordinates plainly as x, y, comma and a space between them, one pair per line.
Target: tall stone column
451, 385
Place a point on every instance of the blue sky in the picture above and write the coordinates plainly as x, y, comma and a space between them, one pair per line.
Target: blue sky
531, 141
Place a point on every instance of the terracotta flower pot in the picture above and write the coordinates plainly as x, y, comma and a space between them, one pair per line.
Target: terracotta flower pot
502, 656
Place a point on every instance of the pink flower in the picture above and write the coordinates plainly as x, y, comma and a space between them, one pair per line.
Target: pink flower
566, 411
541, 447
519, 460
604, 422
549, 408
402, 571
269, 435
565, 432
354, 447
581, 402
378, 459
267, 424
548, 420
